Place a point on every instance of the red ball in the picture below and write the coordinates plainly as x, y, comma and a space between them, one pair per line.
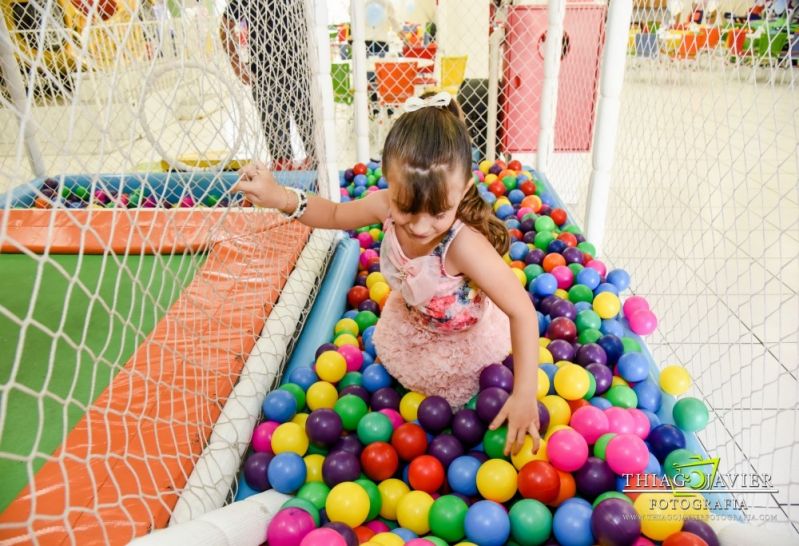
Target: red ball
426, 473
568, 238
559, 216
516, 233
539, 480
562, 328
410, 441
515, 165
553, 260
379, 461
574, 405
357, 295
363, 534
528, 187
359, 168
684, 538
105, 8
587, 258
497, 188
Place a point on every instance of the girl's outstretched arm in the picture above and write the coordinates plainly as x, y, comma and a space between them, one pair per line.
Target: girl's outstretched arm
472, 255
261, 189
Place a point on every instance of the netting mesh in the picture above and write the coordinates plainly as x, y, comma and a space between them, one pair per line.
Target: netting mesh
135, 286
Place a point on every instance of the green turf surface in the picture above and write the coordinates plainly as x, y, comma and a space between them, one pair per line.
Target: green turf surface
100, 320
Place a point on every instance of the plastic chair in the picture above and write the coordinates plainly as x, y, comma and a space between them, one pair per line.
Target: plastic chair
453, 72
394, 86
342, 88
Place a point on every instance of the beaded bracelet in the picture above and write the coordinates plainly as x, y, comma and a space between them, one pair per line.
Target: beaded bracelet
302, 204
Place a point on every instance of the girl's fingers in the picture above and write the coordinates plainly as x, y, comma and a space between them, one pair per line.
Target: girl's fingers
500, 418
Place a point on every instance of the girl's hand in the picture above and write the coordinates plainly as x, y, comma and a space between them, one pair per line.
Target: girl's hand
522, 417
260, 188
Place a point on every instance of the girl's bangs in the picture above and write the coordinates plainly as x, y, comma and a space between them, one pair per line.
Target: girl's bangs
423, 190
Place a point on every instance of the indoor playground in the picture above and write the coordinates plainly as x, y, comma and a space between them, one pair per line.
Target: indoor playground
179, 366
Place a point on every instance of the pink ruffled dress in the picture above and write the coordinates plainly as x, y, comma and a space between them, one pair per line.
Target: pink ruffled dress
436, 331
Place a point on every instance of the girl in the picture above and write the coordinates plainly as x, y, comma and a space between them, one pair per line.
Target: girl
455, 306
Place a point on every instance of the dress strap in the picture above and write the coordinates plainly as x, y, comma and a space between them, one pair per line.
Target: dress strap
445, 244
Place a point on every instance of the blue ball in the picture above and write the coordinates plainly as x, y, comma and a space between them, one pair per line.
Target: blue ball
548, 199
360, 180
653, 466
358, 190
601, 403
280, 406
550, 370
375, 377
286, 472
612, 327
406, 471
633, 367
382, 183
368, 341
504, 211
543, 323
351, 314
512, 223
605, 287
557, 246
544, 285
244, 491
487, 524
518, 251
516, 196
372, 165
664, 439
404, 534
489, 198
654, 420
583, 306
303, 376
368, 359
620, 278
589, 277
462, 475
621, 483
613, 347
649, 396
572, 523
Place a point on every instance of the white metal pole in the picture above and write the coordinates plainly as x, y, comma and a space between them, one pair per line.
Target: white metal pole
359, 68
494, 53
607, 124
16, 89
556, 12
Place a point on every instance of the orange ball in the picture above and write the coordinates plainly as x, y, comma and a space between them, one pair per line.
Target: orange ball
553, 260
577, 404
363, 534
568, 488
568, 238
558, 216
532, 201
518, 264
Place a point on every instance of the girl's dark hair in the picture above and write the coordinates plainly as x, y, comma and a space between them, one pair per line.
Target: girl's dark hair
425, 148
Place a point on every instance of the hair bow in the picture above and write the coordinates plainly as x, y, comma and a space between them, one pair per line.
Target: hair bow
439, 100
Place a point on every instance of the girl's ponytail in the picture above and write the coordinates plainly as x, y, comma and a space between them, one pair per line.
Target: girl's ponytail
475, 212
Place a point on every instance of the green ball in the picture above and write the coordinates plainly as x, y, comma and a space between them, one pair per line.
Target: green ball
532, 271
575, 268
601, 444
81, 192
447, 516
510, 183
587, 247
544, 223
529, 216
611, 495
363, 229
211, 200
580, 292
591, 387
391, 524
365, 319
65, 192
436, 540
587, 319
494, 442
297, 392
374, 427
690, 414
678, 456
630, 345
135, 198
622, 396
314, 449
571, 228
351, 409
589, 336
543, 239
378, 172
375, 500
303, 504
371, 180
530, 522
314, 492
349, 379
472, 403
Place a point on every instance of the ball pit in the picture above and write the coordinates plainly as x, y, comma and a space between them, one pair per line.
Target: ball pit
386, 466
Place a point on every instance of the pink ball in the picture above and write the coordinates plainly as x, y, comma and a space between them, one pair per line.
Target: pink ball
289, 527
344, 192
591, 422
642, 541
323, 537
419, 542
564, 276
377, 526
393, 416
353, 356
567, 450
643, 322
599, 266
523, 211
619, 420
367, 255
634, 303
640, 423
372, 189
365, 239
262, 436
627, 454
480, 175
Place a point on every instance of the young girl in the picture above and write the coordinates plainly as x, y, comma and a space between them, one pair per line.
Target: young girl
455, 306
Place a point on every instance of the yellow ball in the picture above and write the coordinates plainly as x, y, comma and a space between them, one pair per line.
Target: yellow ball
562, 294
300, 419
313, 467
346, 339
694, 507
321, 395
289, 437
331, 365
544, 341
520, 275
348, 503
525, 454
553, 429
543, 384
659, 518
544, 356
391, 492
374, 278
485, 165
409, 405
561, 363
466, 544
607, 305
346, 326
490, 178
675, 380
376, 234
559, 410
413, 511
571, 381
506, 258
497, 480
616, 381
387, 539
501, 201
379, 291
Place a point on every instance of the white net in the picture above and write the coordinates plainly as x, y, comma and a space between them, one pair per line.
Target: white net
135, 286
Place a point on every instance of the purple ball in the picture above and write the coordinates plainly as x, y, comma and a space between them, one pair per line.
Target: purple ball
495, 169
573, 255
602, 375
489, 402
529, 238
563, 308
527, 226
323, 427
594, 478
374, 268
340, 466
467, 427
702, 530
612, 346
349, 443
446, 448
615, 521
385, 398
535, 256
590, 353
434, 414
479, 455
345, 531
358, 391
508, 362
369, 305
255, 471
543, 419
547, 303
360, 280
496, 375
580, 238
325, 347
349, 175
561, 350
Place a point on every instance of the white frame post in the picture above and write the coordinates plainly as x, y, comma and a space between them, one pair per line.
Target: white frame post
359, 68
494, 55
556, 13
614, 59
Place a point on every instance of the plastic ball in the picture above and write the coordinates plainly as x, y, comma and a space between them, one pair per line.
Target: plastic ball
664, 439
289, 437
323, 537
675, 380
641, 425
615, 522
643, 322
496, 480
590, 422
487, 524
462, 475
633, 367
558, 408
321, 395
350, 409
594, 478
649, 395
391, 492
530, 522
409, 405
353, 357
607, 305
571, 382
289, 527
435, 413
627, 454
690, 414
426, 473
286, 472
379, 461
539, 480
490, 402
445, 448
339, 467
313, 467
304, 376
562, 328
702, 530
467, 427
262, 436
374, 427
447, 517
413, 511
375, 501
280, 406
567, 450
659, 518
409, 440
347, 503
622, 396
633, 304
544, 285
255, 471
387, 539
